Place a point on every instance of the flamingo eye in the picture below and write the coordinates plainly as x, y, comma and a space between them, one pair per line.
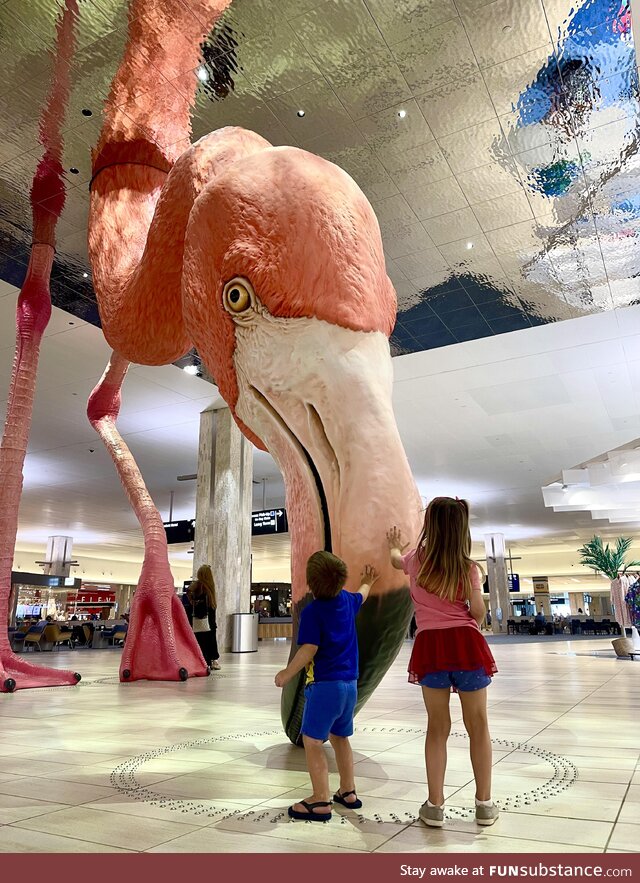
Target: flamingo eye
238, 296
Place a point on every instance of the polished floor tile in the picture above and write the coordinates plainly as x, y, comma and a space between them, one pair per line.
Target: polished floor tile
205, 767
107, 828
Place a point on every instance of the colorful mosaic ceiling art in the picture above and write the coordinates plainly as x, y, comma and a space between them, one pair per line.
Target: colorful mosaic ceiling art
497, 142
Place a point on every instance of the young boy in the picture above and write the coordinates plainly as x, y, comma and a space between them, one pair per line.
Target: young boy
328, 649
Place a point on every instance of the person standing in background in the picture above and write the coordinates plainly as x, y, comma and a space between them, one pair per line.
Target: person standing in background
200, 604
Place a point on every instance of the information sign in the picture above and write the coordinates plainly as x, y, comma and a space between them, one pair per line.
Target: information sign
269, 521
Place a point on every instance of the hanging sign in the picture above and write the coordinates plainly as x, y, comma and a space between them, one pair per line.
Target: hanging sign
180, 531
540, 585
269, 521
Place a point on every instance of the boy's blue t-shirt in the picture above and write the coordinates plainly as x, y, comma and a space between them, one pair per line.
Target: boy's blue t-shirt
331, 626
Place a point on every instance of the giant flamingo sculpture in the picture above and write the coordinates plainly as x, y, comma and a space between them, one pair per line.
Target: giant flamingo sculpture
270, 261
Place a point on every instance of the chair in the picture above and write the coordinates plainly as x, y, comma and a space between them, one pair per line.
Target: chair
548, 628
589, 627
33, 635
16, 639
116, 633
576, 627
511, 627
56, 635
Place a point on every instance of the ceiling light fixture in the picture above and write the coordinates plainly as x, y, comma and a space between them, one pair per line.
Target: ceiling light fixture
402, 114
300, 113
85, 275
202, 74
86, 112
74, 171
191, 369
506, 29
469, 244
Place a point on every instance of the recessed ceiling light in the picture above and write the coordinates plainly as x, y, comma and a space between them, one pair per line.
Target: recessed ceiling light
202, 74
86, 112
85, 275
191, 369
469, 244
506, 29
74, 171
402, 114
300, 113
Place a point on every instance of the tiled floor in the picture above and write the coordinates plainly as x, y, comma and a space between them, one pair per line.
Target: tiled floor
204, 766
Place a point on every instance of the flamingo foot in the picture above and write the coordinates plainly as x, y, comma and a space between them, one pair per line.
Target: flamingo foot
160, 645
17, 673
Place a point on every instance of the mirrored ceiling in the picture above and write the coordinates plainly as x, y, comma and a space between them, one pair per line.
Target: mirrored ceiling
497, 142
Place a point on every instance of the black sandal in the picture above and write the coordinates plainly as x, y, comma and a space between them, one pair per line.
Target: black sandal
310, 815
340, 798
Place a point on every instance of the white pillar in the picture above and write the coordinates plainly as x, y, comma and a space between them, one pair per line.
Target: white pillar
541, 596
203, 542
223, 515
498, 582
59, 558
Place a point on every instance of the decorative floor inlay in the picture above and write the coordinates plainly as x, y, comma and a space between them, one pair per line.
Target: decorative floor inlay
563, 773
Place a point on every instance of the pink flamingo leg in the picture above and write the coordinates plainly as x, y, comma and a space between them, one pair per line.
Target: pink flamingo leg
33, 313
160, 643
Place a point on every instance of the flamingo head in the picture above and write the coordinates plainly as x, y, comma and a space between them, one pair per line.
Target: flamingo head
288, 301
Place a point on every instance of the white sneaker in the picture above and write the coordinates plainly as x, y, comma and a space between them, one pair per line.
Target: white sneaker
215, 665
433, 816
487, 815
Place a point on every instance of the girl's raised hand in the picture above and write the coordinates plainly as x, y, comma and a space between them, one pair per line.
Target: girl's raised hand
394, 538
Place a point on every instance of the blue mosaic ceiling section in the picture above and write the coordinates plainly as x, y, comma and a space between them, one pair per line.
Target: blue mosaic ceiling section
497, 142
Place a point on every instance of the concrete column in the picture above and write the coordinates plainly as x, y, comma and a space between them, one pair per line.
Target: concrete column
223, 515
203, 542
576, 599
498, 582
59, 558
541, 594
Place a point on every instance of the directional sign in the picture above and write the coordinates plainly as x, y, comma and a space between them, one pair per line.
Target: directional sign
180, 531
269, 521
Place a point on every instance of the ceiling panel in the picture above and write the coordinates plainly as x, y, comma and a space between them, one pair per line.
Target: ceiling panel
498, 141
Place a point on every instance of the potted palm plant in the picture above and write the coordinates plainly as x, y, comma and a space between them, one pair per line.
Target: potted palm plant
611, 562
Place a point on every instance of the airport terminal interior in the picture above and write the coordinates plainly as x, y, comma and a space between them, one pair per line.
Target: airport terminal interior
275, 275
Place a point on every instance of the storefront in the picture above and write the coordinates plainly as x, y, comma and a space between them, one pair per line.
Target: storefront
35, 596
272, 601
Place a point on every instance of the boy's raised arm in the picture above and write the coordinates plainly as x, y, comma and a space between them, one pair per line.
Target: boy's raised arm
367, 578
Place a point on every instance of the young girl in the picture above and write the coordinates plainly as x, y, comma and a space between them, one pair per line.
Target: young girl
449, 651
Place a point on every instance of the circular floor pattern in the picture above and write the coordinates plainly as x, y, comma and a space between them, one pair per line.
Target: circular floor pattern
123, 779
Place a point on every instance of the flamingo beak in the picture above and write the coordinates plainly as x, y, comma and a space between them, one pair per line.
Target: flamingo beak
319, 396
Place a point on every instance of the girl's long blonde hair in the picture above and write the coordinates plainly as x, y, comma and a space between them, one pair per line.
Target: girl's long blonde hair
444, 550
204, 583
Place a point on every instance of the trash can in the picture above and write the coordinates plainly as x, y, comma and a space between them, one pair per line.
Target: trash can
245, 633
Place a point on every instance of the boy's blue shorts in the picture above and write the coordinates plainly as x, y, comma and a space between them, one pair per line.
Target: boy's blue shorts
328, 708
462, 681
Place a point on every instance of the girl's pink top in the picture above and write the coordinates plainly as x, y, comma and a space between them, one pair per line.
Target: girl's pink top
433, 612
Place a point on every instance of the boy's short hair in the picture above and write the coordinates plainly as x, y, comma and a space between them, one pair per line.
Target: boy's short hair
326, 575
